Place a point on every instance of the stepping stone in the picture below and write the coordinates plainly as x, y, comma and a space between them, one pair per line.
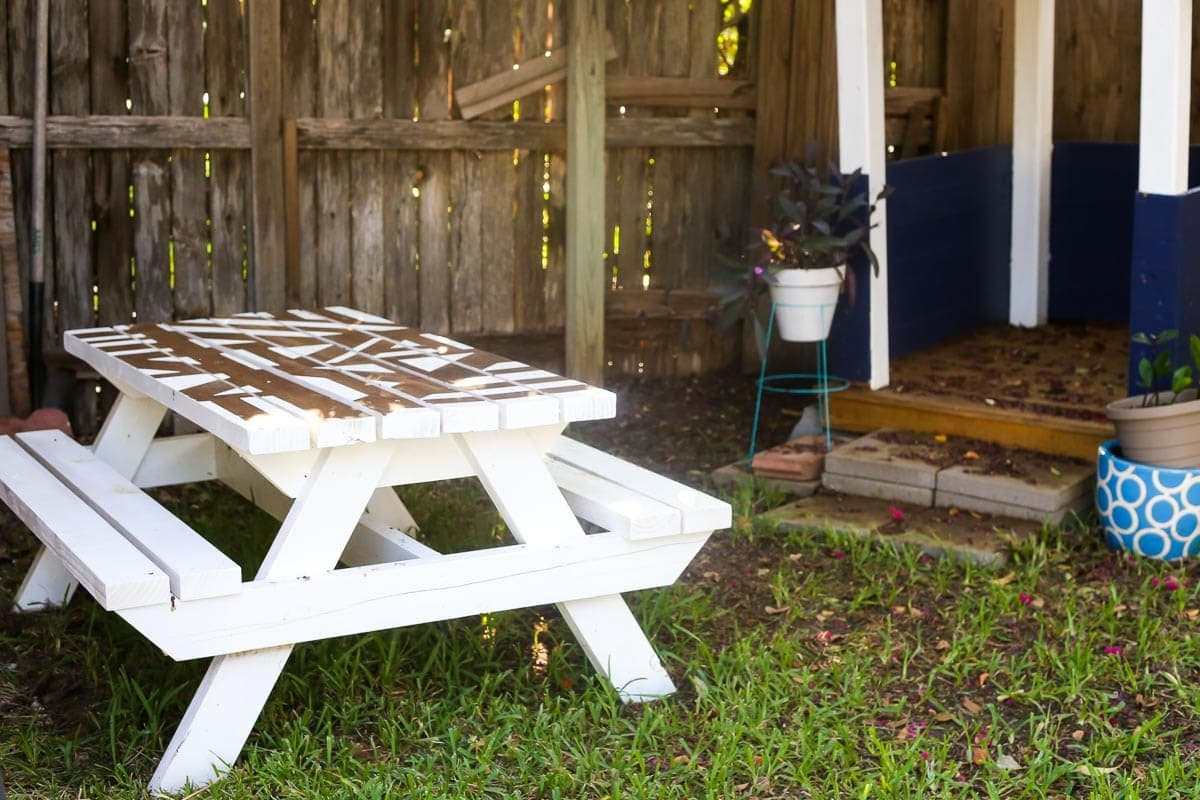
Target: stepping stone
873, 467
733, 475
1045, 497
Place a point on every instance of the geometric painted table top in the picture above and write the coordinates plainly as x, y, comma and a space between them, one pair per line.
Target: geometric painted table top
268, 383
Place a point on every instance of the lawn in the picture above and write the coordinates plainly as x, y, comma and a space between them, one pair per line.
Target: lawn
810, 664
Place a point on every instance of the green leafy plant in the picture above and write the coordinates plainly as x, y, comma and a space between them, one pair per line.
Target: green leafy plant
1157, 369
819, 219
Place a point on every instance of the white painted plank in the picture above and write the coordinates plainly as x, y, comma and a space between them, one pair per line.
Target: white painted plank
172, 460
313, 535
96, 555
1033, 117
360, 599
1163, 135
47, 583
614, 507
701, 512
861, 143
376, 542
127, 432
195, 567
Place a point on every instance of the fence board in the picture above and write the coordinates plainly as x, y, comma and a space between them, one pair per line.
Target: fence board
1097, 70
365, 44
399, 225
151, 179
334, 262
433, 104
189, 234
109, 49
299, 45
632, 21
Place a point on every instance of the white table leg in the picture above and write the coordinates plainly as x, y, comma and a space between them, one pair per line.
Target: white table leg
512, 470
223, 711
122, 443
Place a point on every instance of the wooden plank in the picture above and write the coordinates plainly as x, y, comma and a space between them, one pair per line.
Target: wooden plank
193, 566
172, 460
774, 56
300, 100
365, 44
433, 17
860, 410
95, 554
148, 89
189, 201
109, 47
701, 92
585, 284
1165, 114
613, 507
699, 175
334, 90
135, 131
225, 64
466, 244
529, 297
401, 300
16, 374
266, 156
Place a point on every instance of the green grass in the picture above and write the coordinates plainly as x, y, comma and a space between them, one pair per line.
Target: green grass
809, 664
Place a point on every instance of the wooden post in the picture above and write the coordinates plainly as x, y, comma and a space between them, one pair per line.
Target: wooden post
1033, 114
585, 191
1166, 96
861, 144
267, 271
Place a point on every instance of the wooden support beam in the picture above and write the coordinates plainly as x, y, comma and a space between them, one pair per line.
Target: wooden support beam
1033, 116
708, 93
585, 191
861, 144
1166, 96
267, 271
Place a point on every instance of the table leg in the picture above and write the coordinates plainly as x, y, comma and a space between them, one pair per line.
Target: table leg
231, 696
122, 443
513, 471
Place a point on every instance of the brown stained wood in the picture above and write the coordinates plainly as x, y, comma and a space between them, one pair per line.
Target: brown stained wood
111, 132
701, 93
985, 75
585, 280
333, 186
434, 247
554, 286
534, 38
774, 70
1097, 71
20, 74
300, 100
399, 49
365, 44
16, 373
151, 172
498, 233
699, 178
4, 109
189, 213
433, 101
225, 62
1004, 92
291, 212
529, 299
400, 291
960, 35
266, 156
466, 256
113, 238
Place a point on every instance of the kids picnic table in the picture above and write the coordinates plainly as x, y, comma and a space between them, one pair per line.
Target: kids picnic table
314, 416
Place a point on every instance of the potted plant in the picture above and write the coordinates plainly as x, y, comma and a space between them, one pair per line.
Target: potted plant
1161, 426
818, 222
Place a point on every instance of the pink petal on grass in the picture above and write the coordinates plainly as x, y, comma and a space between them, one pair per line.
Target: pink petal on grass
896, 513
1026, 599
1113, 650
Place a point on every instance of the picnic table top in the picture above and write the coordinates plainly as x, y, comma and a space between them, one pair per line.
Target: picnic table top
267, 383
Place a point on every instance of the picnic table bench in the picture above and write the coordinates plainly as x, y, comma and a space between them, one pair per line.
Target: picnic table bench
315, 416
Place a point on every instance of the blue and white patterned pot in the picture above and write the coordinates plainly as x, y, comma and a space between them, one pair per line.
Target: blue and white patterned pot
1149, 510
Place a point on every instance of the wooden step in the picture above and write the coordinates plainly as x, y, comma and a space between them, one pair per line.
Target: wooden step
861, 410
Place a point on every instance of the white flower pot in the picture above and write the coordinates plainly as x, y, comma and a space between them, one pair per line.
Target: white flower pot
804, 302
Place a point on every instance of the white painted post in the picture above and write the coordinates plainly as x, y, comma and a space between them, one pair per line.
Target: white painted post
861, 144
1166, 96
1033, 115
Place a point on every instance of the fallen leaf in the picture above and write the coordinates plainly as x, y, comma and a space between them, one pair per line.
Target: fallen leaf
1092, 772
1005, 580
971, 706
899, 609
763, 572
983, 678
971, 454
741, 787
942, 645
1038, 602
712, 576
976, 515
1192, 613
1077, 735
1056, 472
954, 512
795, 556
989, 401
774, 610
979, 755
941, 437
1007, 762
944, 716
682, 758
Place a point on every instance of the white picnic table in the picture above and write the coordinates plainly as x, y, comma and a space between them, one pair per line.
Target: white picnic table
314, 416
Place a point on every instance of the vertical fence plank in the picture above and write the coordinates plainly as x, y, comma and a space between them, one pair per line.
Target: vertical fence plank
529, 279
300, 100
400, 291
189, 213
151, 197
699, 180
365, 45
267, 248
225, 76
19, 74
7, 225
433, 99
109, 49
639, 25
333, 167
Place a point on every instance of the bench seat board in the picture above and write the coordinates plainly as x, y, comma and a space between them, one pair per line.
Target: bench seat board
97, 555
700, 511
612, 506
195, 567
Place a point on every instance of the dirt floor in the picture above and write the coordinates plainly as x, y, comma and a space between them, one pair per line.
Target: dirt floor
1067, 370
